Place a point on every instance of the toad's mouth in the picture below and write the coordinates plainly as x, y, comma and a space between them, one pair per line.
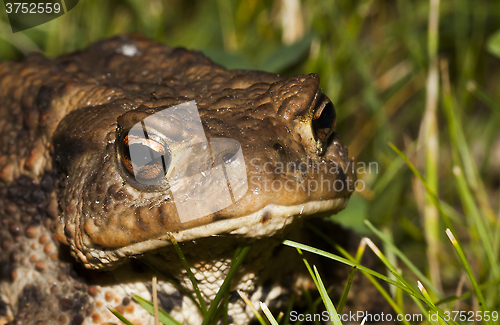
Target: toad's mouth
263, 223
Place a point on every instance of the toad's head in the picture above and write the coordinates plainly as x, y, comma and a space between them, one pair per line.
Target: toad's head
184, 148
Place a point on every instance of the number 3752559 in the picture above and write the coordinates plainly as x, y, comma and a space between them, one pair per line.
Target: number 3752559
32, 8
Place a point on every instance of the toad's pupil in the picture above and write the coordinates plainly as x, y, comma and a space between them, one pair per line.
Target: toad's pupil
141, 154
327, 117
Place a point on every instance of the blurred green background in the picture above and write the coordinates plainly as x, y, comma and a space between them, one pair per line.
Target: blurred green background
374, 58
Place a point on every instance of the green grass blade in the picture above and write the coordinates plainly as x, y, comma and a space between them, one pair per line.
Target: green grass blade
254, 310
345, 261
321, 288
460, 150
432, 195
429, 140
240, 254
184, 291
401, 283
359, 254
120, 316
221, 312
402, 257
286, 56
326, 299
423, 310
493, 44
347, 288
286, 317
463, 259
482, 230
201, 301
268, 314
165, 318
490, 284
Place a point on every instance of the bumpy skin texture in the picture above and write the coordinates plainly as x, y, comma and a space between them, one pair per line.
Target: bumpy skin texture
62, 181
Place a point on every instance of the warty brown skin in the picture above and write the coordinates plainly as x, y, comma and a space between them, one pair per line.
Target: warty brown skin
61, 180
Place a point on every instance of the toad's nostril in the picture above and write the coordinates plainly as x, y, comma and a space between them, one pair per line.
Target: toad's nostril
277, 146
280, 151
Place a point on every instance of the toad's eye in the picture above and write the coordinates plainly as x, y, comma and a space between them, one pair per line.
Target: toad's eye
324, 118
144, 156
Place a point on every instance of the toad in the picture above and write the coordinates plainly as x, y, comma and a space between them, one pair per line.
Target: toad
111, 153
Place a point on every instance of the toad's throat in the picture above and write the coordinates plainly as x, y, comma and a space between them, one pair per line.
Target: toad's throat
261, 224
